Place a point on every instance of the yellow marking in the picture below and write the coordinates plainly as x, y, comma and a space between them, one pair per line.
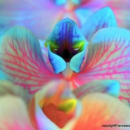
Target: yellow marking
68, 105
79, 45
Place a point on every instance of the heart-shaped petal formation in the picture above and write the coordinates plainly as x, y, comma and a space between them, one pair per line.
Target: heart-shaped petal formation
98, 111
55, 101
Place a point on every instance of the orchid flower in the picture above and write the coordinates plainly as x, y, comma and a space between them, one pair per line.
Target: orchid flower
69, 55
40, 16
55, 107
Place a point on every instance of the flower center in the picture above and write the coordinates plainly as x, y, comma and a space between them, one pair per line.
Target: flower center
59, 112
59, 117
66, 54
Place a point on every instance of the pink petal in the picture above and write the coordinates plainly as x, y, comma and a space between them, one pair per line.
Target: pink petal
108, 58
8, 88
15, 126
101, 109
13, 114
22, 60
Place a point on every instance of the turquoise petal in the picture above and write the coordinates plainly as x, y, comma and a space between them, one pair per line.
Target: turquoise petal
56, 61
77, 60
103, 18
111, 87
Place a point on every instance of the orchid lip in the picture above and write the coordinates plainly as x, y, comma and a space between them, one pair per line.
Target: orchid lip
66, 55
54, 114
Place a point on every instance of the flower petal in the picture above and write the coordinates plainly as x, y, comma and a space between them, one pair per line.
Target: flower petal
109, 58
100, 19
22, 60
121, 10
56, 61
2, 75
68, 42
39, 119
80, 57
8, 88
105, 86
46, 58
101, 112
56, 94
13, 114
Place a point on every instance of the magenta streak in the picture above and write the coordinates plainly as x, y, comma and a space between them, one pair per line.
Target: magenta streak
124, 98
96, 57
26, 62
21, 60
30, 76
26, 71
89, 74
125, 49
125, 84
115, 72
95, 60
112, 52
26, 57
124, 90
110, 74
31, 68
109, 62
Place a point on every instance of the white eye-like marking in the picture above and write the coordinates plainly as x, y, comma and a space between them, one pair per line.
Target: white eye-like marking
76, 49
55, 49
